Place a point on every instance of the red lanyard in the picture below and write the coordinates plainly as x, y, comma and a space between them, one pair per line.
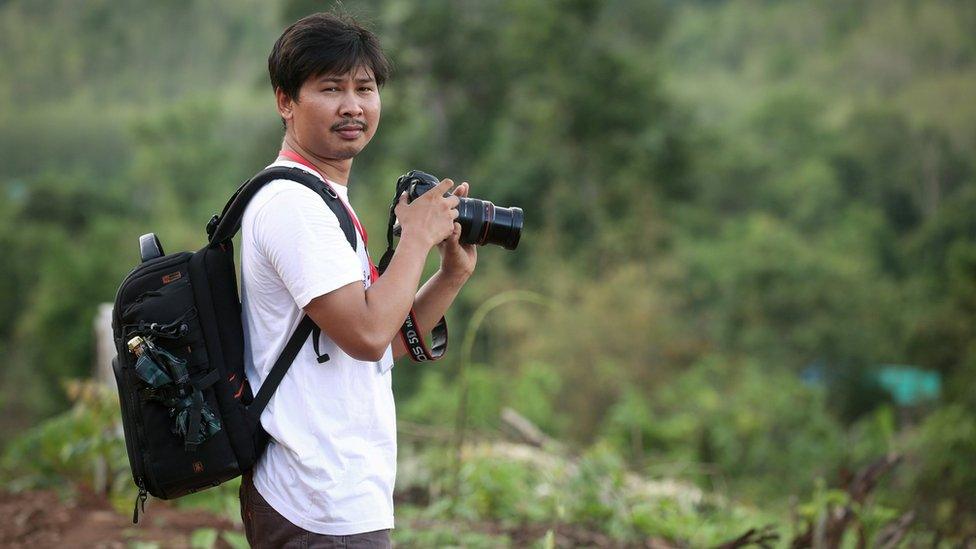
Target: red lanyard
291, 155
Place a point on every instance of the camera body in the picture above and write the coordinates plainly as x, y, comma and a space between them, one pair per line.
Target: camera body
481, 221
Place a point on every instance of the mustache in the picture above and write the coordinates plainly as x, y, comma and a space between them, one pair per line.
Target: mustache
346, 122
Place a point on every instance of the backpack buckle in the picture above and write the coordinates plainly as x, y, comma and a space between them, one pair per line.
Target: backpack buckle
212, 226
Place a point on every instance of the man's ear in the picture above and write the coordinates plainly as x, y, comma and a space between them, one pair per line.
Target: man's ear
285, 104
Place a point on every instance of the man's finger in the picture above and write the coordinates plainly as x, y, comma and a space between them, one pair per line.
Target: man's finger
444, 187
455, 236
462, 190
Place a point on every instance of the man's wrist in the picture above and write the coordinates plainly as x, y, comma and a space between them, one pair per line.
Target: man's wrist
454, 278
413, 244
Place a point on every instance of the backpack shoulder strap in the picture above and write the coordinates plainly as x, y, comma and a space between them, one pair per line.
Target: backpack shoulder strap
228, 223
280, 368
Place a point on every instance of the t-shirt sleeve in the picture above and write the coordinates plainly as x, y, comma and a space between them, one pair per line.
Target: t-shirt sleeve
301, 238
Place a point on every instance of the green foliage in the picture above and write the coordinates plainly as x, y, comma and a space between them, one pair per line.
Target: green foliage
503, 490
236, 540
598, 492
95, 52
83, 446
518, 486
718, 196
942, 474
722, 424
534, 394
426, 533
208, 538
203, 538
869, 517
532, 391
223, 500
55, 331
873, 435
434, 403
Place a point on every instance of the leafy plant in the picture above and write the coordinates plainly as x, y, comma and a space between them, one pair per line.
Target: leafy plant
83, 446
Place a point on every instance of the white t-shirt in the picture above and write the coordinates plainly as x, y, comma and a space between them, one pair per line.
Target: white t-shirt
331, 464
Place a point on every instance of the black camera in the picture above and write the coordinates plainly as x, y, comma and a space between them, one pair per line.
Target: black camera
481, 221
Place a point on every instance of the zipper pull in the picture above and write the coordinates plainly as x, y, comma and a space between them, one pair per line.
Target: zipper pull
140, 499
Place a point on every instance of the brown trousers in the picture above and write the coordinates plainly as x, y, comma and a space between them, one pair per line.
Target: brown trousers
265, 527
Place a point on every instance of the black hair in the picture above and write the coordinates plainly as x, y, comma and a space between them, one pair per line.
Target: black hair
324, 44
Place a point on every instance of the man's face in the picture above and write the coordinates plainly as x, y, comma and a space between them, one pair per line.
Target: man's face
335, 115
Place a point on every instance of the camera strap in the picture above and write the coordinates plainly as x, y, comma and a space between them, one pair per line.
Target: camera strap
411, 333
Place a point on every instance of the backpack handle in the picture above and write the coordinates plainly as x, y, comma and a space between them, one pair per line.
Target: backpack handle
149, 247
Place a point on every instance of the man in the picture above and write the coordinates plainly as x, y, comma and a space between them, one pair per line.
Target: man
326, 479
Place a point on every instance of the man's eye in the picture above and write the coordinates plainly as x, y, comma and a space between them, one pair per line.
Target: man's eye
365, 89
330, 89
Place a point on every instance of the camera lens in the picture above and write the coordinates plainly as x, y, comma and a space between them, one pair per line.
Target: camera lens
484, 223
506, 228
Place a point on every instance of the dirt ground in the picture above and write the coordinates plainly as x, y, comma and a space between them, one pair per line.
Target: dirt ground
38, 519
41, 519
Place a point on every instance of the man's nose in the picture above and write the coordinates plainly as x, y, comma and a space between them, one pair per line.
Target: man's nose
350, 106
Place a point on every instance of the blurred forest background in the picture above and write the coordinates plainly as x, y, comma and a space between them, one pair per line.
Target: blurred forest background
748, 268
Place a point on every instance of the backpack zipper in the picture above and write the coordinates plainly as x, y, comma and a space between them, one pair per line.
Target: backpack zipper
140, 500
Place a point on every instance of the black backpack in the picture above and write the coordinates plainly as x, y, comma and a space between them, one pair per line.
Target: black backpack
189, 417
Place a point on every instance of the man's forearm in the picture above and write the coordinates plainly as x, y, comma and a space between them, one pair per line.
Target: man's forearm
393, 292
363, 323
432, 302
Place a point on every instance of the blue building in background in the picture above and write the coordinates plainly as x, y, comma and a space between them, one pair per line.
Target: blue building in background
908, 385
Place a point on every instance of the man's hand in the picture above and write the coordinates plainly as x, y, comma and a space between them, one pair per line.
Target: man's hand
429, 219
458, 260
